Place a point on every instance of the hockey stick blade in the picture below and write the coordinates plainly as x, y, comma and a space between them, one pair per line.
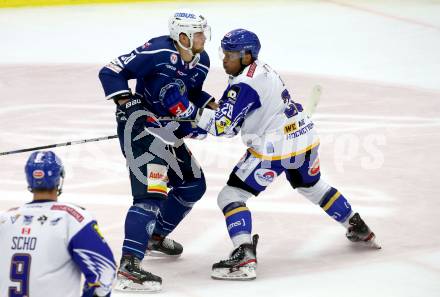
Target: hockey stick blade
313, 100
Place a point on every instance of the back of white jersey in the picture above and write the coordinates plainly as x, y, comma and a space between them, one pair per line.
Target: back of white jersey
35, 259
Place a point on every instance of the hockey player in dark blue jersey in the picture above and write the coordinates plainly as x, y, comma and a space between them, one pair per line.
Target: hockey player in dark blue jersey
165, 178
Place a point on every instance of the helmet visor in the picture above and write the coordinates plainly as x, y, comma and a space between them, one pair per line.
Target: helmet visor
207, 32
228, 55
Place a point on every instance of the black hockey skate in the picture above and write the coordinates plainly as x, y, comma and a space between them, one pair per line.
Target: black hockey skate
358, 231
159, 246
242, 264
132, 278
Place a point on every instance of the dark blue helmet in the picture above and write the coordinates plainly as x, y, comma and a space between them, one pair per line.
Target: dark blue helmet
241, 40
44, 171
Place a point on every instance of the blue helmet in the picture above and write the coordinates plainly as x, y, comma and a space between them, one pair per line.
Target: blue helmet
241, 40
44, 171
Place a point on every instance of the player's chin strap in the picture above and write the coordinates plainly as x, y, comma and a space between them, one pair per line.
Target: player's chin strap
188, 49
60, 187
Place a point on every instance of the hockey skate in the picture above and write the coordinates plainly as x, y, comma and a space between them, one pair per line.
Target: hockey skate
159, 246
358, 231
132, 278
242, 264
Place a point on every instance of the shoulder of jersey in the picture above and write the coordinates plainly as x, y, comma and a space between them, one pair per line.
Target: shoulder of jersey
74, 212
252, 74
157, 45
204, 59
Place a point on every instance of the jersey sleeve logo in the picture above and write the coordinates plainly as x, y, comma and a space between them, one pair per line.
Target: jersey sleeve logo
100, 266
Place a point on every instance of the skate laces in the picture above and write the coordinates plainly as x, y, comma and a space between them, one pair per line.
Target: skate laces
236, 254
168, 243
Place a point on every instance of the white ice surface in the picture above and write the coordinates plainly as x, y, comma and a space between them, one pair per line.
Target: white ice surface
301, 252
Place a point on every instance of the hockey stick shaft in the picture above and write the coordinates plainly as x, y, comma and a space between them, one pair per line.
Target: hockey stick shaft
58, 145
80, 141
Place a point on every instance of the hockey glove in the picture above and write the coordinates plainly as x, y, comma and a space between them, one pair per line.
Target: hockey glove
197, 133
175, 98
125, 110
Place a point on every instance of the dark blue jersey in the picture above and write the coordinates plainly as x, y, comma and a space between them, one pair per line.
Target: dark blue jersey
154, 65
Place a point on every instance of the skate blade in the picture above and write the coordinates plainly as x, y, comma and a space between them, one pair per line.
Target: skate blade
157, 254
373, 244
242, 274
126, 285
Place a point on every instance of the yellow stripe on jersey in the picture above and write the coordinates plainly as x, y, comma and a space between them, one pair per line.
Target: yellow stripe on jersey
286, 156
234, 211
157, 189
331, 201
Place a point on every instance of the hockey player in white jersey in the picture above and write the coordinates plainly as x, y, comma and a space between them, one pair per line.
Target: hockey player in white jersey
45, 245
280, 138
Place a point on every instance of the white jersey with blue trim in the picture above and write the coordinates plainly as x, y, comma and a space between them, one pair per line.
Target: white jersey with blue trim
44, 248
258, 103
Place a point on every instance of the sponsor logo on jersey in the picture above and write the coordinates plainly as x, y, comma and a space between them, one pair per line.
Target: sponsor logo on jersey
55, 221
156, 175
42, 219
27, 220
300, 132
157, 179
314, 170
232, 94
222, 125
264, 176
146, 45
26, 230
181, 73
69, 210
173, 58
251, 70
14, 218
38, 174
170, 67
290, 128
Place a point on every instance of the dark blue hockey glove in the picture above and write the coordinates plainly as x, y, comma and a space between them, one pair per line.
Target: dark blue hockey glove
124, 111
175, 98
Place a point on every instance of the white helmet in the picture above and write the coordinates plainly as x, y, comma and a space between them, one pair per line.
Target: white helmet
187, 22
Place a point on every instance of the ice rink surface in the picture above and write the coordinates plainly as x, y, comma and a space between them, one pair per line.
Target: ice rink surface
378, 63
